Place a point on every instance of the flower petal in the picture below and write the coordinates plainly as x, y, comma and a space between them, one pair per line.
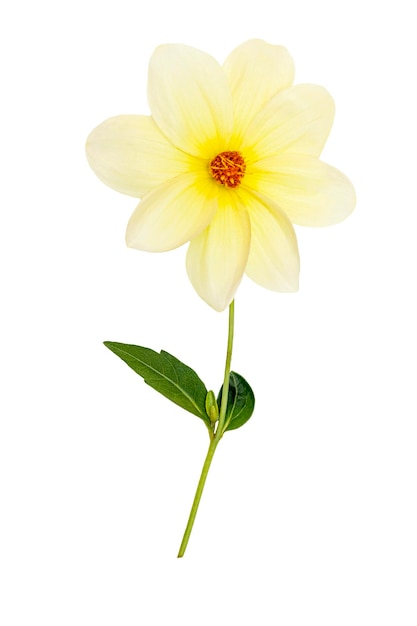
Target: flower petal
256, 71
310, 192
273, 260
190, 99
216, 259
298, 119
131, 155
172, 213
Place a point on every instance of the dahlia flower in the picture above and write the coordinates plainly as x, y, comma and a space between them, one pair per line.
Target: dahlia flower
228, 160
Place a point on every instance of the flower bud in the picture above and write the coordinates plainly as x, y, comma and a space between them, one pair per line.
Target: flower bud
212, 409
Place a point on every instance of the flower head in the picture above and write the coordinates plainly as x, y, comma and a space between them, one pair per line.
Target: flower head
228, 160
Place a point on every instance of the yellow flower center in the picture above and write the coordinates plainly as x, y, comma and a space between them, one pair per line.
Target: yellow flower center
228, 168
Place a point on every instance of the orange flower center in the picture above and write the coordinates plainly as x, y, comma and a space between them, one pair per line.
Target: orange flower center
228, 168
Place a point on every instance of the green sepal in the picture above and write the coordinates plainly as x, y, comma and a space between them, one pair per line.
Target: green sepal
165, 373
240, 402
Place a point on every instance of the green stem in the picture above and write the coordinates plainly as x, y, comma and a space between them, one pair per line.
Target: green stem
215, 440
225, 392
197, 497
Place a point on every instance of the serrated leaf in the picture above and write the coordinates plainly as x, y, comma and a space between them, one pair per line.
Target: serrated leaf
165, 373
240, 402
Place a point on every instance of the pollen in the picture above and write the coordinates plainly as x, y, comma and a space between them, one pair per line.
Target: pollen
228, 168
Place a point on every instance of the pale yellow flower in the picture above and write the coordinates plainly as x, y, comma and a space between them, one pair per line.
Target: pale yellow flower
228, 160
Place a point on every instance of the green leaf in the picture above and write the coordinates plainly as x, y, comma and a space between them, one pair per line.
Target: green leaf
162, 371
240, 402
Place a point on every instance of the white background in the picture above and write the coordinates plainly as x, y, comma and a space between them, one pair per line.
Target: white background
309, 514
